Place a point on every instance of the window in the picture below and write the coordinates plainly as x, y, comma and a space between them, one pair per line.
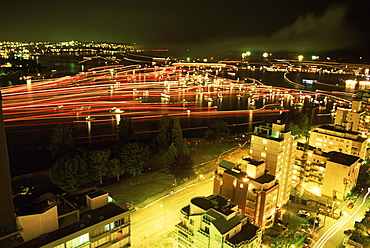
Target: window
78, 241
263, 154
192, 222
218, 238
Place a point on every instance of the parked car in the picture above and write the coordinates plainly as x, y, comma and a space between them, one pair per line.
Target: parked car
350, 205
304, 214
347, 231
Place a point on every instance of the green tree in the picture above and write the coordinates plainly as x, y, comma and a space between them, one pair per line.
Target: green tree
99, 161
116, 168
282, 241
217, 130
177, 138
130, 158
126, 131
62, 142
69, 172
170, 159
163, 139
359, 237
183, 167
296, 122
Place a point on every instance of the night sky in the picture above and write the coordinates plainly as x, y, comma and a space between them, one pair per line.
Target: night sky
203, 26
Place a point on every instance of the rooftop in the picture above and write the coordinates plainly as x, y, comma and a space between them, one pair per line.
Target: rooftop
248, 232
341, 158
217, 202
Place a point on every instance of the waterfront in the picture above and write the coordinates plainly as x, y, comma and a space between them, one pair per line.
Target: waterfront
234, 102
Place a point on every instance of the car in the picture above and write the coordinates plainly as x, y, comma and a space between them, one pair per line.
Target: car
347, 231
304, 214
350, 205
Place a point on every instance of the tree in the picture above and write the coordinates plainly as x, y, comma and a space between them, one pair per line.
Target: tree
183, 166
170, 158
163, 139
126, 131
130, 158
116, 168
177, 139
62, 142
296, 122
69, 172
99, 161
282, 241
217, 130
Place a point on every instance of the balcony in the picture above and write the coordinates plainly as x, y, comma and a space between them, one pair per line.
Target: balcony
183, 228
203, 233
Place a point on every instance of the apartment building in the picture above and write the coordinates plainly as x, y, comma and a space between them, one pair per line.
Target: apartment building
249, 186
277, 147
57, 220
90, 219
216, 222
336, 138
328, 175
357, 118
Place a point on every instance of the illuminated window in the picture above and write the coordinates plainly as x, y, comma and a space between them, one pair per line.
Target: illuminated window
234, 183
76, 242
318, 144
319, 139
264, 141
263, 154
241, 185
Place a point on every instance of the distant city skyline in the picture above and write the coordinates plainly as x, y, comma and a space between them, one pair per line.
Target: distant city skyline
197, 28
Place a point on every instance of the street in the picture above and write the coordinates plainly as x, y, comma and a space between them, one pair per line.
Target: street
150, 226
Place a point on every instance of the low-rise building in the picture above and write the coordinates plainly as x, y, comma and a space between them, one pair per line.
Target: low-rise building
91, 219
249, 186
325, 174
335, 138
215, 221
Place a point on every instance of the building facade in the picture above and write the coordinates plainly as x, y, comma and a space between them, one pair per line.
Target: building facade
87, 220
215, 222
277, 147
334, 138
329, 175
249, 186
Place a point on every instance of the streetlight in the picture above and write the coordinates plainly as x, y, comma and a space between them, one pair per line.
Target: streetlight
200, 177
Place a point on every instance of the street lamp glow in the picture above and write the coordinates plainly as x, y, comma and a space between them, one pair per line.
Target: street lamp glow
248, 53
265, 55
300, 57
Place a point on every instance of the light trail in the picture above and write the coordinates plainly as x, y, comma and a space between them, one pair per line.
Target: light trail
333, 229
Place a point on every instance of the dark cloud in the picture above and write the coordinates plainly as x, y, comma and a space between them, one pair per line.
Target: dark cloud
309, 32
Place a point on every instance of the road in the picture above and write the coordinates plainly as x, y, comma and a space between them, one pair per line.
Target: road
332, 234
150, 226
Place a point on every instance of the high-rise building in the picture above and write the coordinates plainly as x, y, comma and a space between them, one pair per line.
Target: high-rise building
277, 147
249, 186
215, 221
